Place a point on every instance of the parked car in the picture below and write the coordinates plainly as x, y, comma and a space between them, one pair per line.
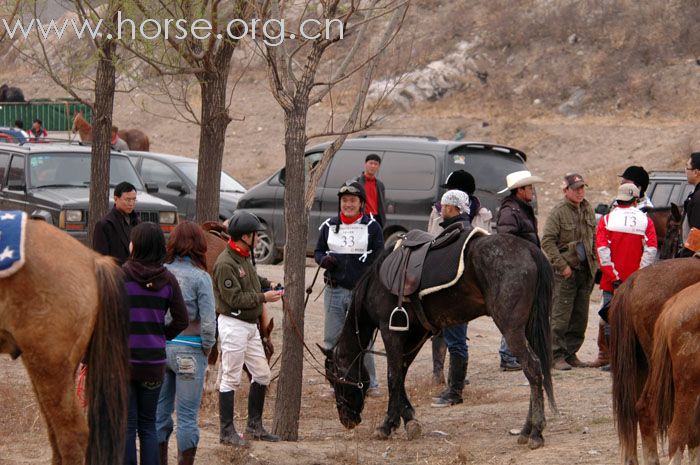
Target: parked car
176, 178
51, 182
412, 170
667, 187
11, 135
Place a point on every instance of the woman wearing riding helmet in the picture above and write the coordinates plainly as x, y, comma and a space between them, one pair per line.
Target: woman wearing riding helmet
346, 247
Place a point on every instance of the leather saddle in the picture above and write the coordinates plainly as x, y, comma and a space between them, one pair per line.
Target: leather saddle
401, 271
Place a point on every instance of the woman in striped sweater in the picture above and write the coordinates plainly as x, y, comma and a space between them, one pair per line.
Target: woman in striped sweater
152, 292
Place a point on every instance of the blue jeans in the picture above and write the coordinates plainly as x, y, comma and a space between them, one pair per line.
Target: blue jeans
506, 355
143, 400
456, 339
336, 301
182, 393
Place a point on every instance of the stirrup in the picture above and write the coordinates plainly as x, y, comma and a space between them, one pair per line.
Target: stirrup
400, 325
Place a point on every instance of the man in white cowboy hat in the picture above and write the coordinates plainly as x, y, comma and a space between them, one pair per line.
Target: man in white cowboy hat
516, 216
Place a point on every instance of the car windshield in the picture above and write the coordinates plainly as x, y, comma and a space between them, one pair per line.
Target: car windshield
228, 184
73, 170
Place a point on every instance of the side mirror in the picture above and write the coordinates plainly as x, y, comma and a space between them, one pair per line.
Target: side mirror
283, 176
602, 209
178, 186
16, 185
151, 187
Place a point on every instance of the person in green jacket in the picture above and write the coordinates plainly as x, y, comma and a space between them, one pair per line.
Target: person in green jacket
567, 241
239, 300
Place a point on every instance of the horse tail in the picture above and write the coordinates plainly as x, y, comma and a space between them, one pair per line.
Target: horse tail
108, 368
539, 333
626, 359
661, 394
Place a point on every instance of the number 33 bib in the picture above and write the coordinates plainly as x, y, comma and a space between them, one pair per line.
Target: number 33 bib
350, 239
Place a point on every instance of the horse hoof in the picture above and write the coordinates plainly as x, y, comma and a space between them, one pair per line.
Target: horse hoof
380, 434
523, 439
535, 442
413, 430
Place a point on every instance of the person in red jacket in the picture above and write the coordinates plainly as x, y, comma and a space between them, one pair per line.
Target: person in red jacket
625, 241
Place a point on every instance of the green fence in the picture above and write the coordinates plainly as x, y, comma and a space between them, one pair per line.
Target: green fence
56, 115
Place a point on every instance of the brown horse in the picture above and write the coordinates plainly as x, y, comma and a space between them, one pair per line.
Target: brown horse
675, 375
51, 313
667, 223
134, 138
633, 314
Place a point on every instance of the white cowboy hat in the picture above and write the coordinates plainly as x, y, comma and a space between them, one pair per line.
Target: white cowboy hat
520, 179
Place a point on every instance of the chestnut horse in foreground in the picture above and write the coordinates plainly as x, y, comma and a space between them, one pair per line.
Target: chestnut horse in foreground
675, 375
136, 139
52, 313
634, 311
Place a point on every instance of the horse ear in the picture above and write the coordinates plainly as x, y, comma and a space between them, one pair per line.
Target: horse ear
326, 352
675, 212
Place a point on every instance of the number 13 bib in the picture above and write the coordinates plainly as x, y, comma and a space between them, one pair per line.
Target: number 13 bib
350, 239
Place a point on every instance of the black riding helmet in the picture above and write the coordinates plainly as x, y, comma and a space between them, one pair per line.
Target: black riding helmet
352, 187
243, 222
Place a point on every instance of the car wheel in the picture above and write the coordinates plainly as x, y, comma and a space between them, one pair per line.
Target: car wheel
265, 252
393, 237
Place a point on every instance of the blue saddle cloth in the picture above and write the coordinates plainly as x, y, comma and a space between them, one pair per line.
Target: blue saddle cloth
11, 241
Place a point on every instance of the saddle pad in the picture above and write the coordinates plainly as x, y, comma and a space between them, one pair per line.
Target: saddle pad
11, 241
443, 267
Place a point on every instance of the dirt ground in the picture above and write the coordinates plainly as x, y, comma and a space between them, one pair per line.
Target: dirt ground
475, 432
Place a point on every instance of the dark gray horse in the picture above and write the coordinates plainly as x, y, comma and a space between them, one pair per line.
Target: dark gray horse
11, 94
505, 277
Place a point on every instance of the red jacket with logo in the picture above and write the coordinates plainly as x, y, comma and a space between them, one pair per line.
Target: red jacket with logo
625, 241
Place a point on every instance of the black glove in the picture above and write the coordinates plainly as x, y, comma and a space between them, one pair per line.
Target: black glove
329, 262
617, 283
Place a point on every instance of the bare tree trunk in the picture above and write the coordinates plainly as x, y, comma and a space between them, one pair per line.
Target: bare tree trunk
286, 419
101, 136
214, 121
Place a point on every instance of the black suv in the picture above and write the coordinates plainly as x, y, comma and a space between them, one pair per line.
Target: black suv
412, 170
176, 178
51, 182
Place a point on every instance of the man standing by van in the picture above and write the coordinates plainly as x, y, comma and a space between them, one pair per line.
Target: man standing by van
112, 233
568, 243
374, 189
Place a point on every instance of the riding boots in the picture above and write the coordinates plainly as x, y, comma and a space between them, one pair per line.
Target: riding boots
186, 457
603, 353
227, 430
256, 402
456, 380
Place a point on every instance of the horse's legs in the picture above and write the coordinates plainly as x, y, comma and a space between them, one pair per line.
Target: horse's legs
413, 428
394, 344
535, 422
683, 416
647, 428
54, 386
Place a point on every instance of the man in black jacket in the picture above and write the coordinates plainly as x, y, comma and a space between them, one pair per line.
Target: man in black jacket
691, 206
112, 232
516, 216
375, 196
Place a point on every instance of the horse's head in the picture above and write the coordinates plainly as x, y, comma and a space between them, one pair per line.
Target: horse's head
350, 380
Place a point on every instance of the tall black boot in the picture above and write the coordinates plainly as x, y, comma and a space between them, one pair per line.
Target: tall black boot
227, 430
456, 380
439, 350
256, 402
